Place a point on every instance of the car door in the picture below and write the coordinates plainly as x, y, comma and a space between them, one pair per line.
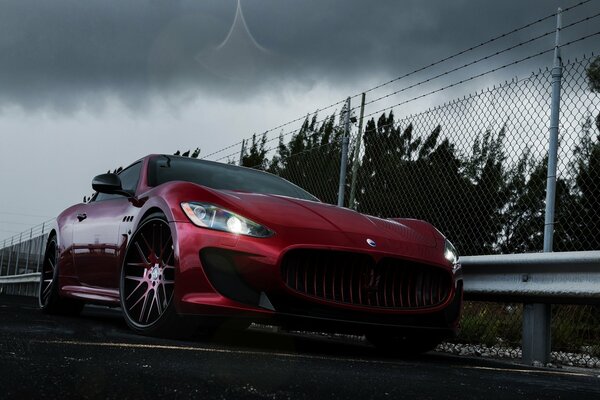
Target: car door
97, 241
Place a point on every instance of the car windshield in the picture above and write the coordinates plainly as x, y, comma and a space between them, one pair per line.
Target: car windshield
221, 176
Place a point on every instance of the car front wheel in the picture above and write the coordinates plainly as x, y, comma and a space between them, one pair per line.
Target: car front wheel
147, 282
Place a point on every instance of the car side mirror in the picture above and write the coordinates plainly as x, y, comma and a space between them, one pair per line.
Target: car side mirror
109, 184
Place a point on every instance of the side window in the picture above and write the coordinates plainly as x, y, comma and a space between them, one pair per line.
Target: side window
130, 177
129, 180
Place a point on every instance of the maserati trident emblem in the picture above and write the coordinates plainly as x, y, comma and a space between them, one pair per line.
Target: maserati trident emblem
371, 243
371, 279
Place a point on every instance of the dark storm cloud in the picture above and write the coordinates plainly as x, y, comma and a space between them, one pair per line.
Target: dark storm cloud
65, 54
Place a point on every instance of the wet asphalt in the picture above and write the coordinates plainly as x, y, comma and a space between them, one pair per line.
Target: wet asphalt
95, 356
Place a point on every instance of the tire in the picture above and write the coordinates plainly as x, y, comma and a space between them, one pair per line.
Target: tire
49, 298
404, 345
147, 282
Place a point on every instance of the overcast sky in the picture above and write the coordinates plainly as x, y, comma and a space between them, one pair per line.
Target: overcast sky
86, 86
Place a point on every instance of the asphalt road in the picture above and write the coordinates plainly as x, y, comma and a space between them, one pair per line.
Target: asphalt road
95, 356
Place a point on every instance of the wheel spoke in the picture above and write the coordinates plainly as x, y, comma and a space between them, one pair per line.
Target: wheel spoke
153, 236
156, 298
166, 260
165, 295
141, 282
141, 253
144, 306
47, 290
136, 264
134, 278
138, 300
150, 305
163, 249
168, 282
146, 242
160, 242
48, 272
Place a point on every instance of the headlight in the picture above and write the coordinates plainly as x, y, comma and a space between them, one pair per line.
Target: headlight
450, 253
209, 216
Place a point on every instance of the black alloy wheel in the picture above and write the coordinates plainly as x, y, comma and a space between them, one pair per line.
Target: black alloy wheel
148, 279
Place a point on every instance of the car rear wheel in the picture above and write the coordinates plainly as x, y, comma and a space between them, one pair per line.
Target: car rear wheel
404, 345
48, 296
148, 280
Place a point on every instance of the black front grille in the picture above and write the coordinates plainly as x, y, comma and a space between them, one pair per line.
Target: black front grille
353, 278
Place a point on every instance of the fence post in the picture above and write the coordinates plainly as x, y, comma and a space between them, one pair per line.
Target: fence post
357, 154
29, 242
41, 252
537, 317
242, 151
9, 255
18, 253
2, 257
344, 161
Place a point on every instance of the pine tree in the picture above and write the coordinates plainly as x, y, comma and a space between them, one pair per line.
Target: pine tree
311, 159
256, 156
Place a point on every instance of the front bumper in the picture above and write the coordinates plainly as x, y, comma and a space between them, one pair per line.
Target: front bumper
224, 276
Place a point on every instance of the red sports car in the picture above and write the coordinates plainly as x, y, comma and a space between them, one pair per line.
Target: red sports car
178, 242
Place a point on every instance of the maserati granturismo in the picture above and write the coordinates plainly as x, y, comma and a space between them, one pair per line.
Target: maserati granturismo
179, 243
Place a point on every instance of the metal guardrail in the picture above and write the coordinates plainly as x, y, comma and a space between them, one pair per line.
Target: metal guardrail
22, 284
537, 280
23, 278
569, 277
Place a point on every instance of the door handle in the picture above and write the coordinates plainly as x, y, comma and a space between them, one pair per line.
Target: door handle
81, 216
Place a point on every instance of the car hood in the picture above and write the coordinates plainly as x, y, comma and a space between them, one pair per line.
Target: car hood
284, 213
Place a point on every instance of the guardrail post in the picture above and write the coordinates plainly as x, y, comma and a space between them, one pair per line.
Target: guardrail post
344, 161
536, 333
537, 317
